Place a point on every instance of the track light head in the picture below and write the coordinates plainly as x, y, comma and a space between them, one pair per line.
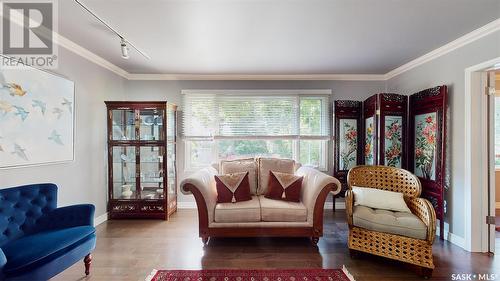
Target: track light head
124, 48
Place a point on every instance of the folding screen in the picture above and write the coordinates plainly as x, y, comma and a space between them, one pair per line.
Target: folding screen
348, 150
370, 136
384, 123
388, 139
427, 139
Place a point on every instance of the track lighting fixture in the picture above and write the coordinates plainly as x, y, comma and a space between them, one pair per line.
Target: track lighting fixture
124, 48
124, 43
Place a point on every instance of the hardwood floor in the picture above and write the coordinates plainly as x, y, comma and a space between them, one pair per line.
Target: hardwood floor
130, 249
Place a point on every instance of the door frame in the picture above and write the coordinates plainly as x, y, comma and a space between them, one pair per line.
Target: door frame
476, 203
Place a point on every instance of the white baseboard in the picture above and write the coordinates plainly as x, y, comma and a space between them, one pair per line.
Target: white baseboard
192, 205
450, 237
186, 205
100, 219
497, 205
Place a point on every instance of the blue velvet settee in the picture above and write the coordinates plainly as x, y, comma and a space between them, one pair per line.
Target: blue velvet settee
39, 240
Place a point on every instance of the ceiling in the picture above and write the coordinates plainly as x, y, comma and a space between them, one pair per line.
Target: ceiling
272, 36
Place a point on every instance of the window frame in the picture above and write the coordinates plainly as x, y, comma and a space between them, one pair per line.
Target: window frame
324, 95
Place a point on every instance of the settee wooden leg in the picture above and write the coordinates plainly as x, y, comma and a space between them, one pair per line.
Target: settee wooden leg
204, 240
88, 261
315, 240
426, 272
353, 253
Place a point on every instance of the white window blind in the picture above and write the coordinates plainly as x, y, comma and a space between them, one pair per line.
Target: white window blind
223, 115
286, 124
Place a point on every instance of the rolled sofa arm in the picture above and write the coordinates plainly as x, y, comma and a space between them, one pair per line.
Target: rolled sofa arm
202, 185
423, 209
313, 185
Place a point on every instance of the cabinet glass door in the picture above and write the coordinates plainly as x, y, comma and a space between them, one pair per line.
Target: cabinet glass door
152, 172
151, 124
124, 172
123, 124
171, 124
171, 171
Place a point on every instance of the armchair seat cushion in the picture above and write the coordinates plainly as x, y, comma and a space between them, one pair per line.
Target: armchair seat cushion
244, 211
282, 211
400, 223
30, 249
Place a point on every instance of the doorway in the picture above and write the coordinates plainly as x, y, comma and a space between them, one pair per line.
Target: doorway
479, 157
493, 84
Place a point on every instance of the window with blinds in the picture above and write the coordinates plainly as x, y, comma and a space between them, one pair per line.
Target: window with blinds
287, 124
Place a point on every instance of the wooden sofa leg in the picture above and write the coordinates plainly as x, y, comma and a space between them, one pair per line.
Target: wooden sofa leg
353, 254
315, 240
204, 240
88, 261
426, 272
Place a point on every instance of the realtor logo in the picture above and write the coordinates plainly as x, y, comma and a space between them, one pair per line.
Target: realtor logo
27, 33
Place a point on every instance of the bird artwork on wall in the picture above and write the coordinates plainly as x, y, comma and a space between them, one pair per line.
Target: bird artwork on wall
5, 107
15, 89
21, 112
40, 104
57, 111
54, 136
20, 152
26, 95
67, 104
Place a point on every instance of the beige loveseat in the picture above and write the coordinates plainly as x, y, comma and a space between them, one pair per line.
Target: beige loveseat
261, 216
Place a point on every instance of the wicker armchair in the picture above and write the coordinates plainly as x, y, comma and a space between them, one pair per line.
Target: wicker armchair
393, 246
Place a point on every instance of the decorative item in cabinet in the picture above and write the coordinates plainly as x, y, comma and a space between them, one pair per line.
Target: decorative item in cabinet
142, 173
348, 150
384, 122
427, 140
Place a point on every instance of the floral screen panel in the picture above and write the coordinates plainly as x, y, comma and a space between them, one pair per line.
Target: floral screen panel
425, 145
393, 141
348, 143
369, 141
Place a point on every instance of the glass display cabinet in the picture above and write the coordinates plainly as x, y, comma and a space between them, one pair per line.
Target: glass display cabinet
142, 174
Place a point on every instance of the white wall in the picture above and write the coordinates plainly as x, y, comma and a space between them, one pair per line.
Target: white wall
171, 91
84, 180
449, 70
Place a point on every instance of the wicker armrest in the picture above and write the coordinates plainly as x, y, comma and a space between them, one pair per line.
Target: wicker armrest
349, 205
423, 209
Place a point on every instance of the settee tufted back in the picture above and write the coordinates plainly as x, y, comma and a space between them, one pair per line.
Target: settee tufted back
22, 206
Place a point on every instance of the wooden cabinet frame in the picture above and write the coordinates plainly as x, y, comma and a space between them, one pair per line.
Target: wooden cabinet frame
139, 207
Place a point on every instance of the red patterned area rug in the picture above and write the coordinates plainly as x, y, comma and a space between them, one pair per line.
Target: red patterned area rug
252, 275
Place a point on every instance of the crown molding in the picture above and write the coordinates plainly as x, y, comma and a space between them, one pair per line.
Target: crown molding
344, 77
87, 54
447, 48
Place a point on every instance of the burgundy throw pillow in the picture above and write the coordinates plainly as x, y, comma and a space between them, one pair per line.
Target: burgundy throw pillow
232, 188
283, 186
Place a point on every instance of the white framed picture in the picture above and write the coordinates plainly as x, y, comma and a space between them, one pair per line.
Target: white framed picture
37, 111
